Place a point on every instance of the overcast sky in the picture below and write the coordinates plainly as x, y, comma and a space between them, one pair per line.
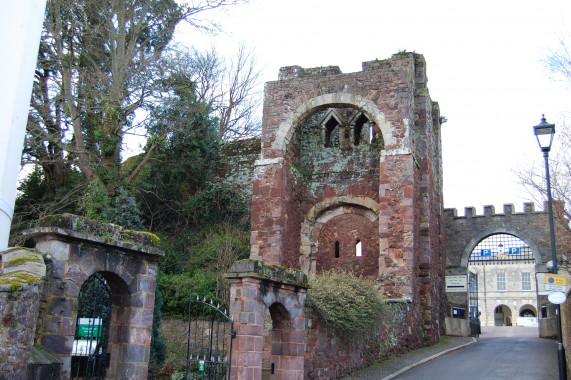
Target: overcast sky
483, 67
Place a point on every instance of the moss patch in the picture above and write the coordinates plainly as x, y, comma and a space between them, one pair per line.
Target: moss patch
103, 230
24, 258
17, 280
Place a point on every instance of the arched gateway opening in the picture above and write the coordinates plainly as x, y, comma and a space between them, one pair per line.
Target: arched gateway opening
505, 268
106, 285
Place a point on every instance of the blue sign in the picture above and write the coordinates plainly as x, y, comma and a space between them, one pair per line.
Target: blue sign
514, 251
486, 252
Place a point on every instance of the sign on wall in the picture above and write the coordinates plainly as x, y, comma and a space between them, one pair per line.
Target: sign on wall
457, 283
555, 283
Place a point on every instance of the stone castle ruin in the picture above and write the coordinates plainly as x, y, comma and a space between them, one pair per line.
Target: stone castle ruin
349, 176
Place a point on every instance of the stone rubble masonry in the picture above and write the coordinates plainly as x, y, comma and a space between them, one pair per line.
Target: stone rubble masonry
22, 272
236, 165
387, 193
75, 249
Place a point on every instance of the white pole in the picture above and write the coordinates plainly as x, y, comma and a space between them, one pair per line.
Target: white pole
20, 28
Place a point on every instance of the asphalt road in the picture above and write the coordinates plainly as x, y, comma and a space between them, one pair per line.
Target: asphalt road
500, 353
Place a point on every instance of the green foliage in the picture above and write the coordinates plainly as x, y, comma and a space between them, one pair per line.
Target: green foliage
177, 289
99, 205
158, 347
95, 202
214, 204
186, 152
348, 304
178, 375
124, 211
35, 200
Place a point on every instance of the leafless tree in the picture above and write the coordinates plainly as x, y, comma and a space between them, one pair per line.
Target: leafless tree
230, 87
533, 178
558, 63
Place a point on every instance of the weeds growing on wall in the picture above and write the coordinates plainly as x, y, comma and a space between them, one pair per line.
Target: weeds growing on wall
349, 304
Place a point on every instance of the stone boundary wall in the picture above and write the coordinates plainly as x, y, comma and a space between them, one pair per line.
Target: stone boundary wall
328, 355
22, 272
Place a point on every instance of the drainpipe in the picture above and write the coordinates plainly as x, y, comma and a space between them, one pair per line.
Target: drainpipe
21, 25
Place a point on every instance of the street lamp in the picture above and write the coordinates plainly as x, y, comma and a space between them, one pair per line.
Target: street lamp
544, 132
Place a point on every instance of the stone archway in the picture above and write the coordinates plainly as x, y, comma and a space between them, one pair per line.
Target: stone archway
323, 212
497, 230
463, 233
287, 127
502, 315
528, 311
257, 289
76, 249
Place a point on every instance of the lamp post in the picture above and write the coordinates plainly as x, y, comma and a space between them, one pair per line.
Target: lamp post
544, 133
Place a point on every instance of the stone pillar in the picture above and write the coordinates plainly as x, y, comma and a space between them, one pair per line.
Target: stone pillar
256, 290
77, 248
21, 278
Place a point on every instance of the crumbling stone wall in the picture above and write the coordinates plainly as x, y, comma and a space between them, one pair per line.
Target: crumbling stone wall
350, 158
329, 355
22, 272
236, 166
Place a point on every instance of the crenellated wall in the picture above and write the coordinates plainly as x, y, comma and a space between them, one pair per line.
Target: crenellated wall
464, 232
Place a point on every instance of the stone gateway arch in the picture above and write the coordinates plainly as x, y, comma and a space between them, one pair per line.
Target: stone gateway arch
516, 287
349, 177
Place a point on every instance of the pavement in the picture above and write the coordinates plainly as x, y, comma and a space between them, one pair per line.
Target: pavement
390, 368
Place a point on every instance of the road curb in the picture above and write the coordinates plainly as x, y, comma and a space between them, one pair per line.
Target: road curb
395, 374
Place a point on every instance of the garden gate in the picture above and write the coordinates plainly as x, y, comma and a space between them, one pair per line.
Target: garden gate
90, 358
209, 346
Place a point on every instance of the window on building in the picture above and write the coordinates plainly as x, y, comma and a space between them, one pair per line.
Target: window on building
336, 249
358, 249
501, 281
525, 281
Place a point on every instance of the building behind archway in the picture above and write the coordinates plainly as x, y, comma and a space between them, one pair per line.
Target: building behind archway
464, 233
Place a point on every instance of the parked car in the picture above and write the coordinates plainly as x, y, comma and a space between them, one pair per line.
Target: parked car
526, 321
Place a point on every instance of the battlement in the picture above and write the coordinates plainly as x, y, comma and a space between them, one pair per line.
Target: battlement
291, 72
470, 212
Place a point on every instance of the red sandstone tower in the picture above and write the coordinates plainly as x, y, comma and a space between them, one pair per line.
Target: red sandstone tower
349, 177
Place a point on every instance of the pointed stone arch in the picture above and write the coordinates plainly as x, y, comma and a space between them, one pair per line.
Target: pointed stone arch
368, 107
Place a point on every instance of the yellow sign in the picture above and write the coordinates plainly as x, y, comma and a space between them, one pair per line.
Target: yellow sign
555, 279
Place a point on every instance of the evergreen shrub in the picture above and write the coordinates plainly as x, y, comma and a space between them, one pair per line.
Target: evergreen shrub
349, 304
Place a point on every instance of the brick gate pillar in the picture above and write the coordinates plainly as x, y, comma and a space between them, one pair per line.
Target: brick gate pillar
257, 289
